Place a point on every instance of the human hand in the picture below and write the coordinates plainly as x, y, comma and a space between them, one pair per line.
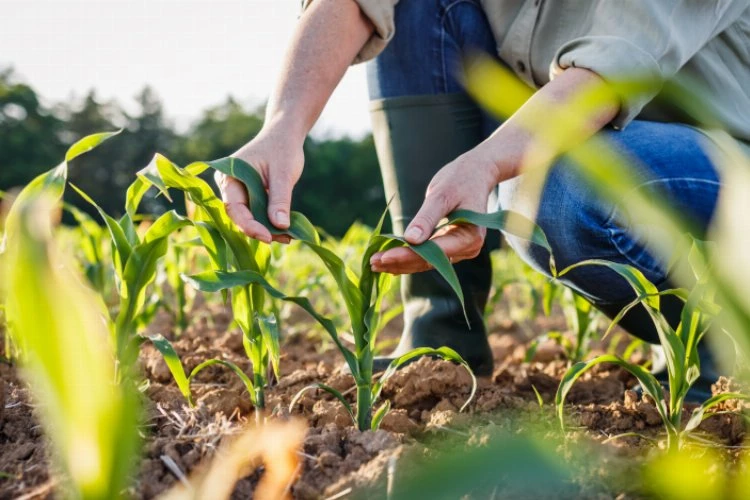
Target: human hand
465, 183
279, 159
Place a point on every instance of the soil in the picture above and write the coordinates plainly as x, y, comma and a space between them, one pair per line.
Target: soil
425, 396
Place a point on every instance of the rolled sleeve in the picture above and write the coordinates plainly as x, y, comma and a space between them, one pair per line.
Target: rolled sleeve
620, 63
638, 46
381, 14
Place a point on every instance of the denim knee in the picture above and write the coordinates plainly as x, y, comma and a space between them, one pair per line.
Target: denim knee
579, 226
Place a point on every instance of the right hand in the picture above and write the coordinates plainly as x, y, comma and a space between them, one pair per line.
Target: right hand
279, 160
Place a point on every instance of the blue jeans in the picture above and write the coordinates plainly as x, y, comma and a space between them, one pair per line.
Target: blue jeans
423, 58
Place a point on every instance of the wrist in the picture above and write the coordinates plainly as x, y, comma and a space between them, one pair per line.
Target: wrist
284, 124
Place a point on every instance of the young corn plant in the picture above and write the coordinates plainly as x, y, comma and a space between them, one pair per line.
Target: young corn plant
61, 326
177, 260
680, 345
135, 260
230, 251
582, 320
362, 294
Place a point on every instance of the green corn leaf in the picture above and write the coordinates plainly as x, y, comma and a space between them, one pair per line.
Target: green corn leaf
236, 369
380, 414
442, 352
163, 174
699, 414
374, 245
300, 227
649, 383
174, 364
88, 143
165, 225
433, 255
674, 352
330, 390
214, 281
639, 283
505, 221
128, 228
539, 398
549, 292
134, 195
120, 242
269, 328
52, 182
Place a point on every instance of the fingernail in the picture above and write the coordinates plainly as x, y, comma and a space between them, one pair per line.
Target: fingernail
282, 217
413, 233
375, 259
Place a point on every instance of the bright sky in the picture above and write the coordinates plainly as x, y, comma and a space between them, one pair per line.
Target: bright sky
194, 53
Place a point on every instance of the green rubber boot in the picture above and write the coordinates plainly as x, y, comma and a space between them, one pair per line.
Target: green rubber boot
415, 136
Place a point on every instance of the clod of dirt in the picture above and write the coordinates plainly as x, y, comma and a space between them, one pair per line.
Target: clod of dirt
422, 384
331, 413
399, 422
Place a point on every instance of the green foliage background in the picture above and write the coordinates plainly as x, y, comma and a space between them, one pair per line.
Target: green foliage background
340, 185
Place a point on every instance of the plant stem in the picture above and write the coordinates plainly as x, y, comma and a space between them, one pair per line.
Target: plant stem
364, 406
259, 382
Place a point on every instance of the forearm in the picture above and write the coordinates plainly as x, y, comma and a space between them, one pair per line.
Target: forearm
327, 39
554, 120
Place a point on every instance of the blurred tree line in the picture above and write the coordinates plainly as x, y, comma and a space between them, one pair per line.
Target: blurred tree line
340, 184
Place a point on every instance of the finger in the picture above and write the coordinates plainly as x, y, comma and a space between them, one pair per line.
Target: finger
234, 194
284, 239
461, 242
279, 200
410, 268
241, 216
232, 190
458, 243
435, 207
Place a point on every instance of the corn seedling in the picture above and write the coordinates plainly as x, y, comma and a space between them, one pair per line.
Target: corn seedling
135, 260
176, 261
362, 294
680, 345
582, 320
230, 251
90, 244
62, 328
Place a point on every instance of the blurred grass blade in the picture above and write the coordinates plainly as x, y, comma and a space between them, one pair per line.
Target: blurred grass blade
276, 445
68, 361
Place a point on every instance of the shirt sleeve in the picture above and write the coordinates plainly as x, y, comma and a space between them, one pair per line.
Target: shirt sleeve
381, 14
645, 42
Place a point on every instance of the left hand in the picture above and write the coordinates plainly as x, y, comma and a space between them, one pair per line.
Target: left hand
464, 183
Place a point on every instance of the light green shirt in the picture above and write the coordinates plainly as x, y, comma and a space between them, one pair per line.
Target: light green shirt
706, 42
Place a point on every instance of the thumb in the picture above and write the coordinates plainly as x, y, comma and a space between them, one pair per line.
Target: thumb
279, 200
421, 227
